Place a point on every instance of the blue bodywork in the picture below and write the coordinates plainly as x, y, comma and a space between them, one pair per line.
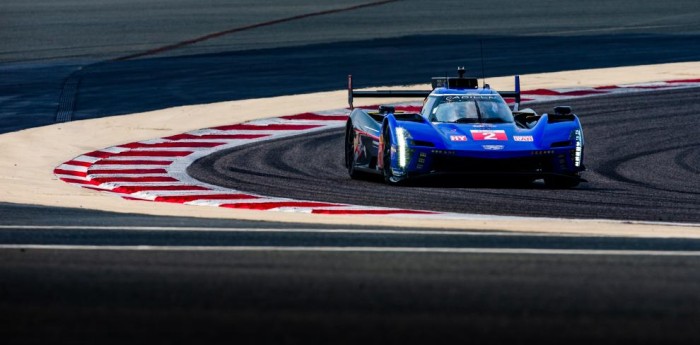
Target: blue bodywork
402, 146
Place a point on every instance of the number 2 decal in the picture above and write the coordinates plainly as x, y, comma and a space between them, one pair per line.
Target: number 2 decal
484, 134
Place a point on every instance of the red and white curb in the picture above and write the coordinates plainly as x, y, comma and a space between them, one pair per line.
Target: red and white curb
155, 170
543, 95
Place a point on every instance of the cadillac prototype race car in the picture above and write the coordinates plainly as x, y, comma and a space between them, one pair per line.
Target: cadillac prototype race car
463, 129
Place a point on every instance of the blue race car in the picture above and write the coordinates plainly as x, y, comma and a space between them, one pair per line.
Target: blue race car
463, 129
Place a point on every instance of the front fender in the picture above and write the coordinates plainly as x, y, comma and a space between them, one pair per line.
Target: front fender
389, 124
362, 121
555, 132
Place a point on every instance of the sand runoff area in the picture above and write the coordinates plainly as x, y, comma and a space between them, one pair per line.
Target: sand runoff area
29, 156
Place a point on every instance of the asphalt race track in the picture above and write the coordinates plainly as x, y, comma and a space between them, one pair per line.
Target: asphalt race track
273, 297
642, 155
91, 277
42, 59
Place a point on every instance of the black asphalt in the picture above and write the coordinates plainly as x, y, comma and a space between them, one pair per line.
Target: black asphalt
402, 42
314, 236
123, 87
264, 297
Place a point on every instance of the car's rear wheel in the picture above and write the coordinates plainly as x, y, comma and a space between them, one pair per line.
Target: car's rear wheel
350, 150
350, 161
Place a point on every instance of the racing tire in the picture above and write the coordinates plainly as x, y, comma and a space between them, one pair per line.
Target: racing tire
350, 153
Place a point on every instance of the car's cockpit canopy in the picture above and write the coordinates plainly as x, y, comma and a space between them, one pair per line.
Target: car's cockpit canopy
467, 108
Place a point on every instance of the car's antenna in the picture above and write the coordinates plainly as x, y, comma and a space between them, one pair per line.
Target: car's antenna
483, 75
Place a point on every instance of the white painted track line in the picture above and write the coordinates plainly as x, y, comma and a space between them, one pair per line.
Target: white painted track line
284, 230
506, 251
310, 230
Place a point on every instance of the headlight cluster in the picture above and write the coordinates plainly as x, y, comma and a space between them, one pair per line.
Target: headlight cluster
579, 147
402, 137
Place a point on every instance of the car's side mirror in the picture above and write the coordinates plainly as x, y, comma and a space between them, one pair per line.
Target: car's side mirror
562, 110
386, 109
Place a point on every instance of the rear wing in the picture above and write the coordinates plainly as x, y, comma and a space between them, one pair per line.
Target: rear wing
460, 83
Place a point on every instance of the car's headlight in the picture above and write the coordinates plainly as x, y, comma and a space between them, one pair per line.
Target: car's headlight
578, 137
402, 137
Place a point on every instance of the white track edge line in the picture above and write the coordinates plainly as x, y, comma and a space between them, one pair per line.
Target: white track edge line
484, 233
436, 250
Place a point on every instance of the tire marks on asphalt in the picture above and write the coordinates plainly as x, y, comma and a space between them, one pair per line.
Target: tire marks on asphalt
157, 169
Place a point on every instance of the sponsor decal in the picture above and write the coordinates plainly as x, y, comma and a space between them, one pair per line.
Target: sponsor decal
489, 134
458, 137
493, 147
522, 138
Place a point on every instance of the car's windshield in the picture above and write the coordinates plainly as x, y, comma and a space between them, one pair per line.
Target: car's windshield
470, 109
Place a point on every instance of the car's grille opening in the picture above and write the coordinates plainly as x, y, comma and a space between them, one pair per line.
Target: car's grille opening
562, 143
423, 143
453, 164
